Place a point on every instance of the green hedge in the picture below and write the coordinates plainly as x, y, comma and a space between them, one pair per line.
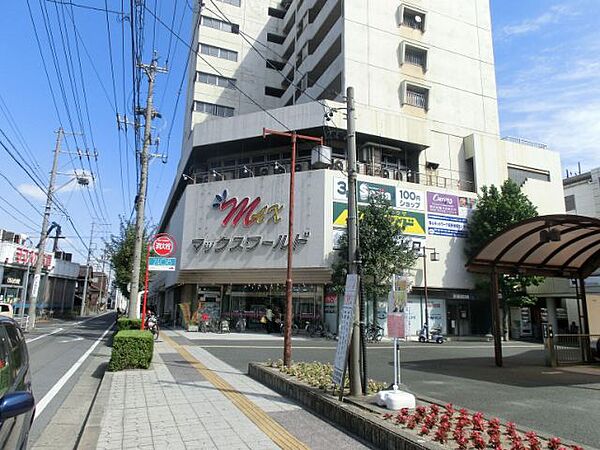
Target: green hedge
132, 349
128, 324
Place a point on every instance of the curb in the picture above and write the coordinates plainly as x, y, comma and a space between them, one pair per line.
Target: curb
93, 426
347, 416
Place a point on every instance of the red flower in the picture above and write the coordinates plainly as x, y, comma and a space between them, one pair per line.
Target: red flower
424, 430
435, 409
478, 441
554, 443
411, 422
441, 435
449, 409
576, 447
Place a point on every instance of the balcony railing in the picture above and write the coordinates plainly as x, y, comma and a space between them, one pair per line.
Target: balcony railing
418, 99
457, 181
521, 141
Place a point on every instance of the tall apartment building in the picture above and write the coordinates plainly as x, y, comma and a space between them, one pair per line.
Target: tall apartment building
427, 136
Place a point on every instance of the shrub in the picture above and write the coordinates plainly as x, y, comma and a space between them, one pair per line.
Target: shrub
132, 349
128, 324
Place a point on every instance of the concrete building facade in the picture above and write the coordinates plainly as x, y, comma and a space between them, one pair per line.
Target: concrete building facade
427, 137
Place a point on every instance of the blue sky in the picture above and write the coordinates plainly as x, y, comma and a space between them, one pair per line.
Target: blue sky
548, 76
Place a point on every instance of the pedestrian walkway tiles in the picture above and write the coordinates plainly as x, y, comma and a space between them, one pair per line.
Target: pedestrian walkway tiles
214, 406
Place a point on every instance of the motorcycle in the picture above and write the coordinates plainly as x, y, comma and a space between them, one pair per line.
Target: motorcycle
435, 335
152, 325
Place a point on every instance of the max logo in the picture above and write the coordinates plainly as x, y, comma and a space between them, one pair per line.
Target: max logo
244, 210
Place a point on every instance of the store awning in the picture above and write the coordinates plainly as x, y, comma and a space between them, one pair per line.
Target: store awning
563, 245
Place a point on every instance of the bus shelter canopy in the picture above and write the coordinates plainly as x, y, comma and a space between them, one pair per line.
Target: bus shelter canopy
561, 245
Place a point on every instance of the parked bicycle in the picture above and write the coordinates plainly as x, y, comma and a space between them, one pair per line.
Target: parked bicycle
374, 333
313, 329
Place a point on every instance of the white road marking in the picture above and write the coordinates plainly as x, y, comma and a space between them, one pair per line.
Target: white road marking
43, 403
71, 340
58, 330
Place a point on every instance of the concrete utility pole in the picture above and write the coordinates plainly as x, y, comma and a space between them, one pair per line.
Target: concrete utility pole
354, 360
149, 114
37, 274
87, 272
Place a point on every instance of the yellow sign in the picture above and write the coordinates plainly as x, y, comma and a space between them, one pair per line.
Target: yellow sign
411, 221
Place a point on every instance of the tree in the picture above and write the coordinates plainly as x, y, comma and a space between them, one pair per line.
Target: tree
498, 209
120, 251
384, 249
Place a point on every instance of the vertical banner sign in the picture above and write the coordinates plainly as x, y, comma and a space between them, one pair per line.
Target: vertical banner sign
36, 286
343, 345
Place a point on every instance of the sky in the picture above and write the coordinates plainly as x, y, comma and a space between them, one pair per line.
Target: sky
547, 68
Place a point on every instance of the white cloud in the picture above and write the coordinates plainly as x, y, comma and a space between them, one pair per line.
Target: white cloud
31, 190
554, 14
34, 192
553, 96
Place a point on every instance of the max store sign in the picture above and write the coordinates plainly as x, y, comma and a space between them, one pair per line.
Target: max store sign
247, 210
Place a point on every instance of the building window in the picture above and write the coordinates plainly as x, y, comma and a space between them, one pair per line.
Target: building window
274, 92
570, 203
415, 56
275, 38
218, 52
520, 175
278, 13
219, 24
231, 2
416, 96
413, 19
213, 110
215, 80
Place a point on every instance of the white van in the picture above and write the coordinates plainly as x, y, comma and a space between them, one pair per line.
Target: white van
6, 309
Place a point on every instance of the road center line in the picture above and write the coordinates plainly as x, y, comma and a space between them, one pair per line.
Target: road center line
43, 403
58, 330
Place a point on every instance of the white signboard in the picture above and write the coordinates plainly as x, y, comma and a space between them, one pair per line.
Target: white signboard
347, 319
36, 286
411, 199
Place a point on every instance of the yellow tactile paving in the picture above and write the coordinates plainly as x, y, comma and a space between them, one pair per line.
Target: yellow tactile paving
262, 420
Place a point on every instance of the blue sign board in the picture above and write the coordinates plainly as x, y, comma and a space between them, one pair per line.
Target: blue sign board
159, 263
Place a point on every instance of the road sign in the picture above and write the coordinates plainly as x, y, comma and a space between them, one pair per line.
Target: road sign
163, 245
341, 352
158, 263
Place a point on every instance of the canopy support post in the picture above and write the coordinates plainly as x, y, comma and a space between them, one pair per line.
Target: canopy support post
586, 323
496, 325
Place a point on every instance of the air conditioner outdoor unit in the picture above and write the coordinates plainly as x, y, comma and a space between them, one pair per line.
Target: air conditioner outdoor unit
263, 171
387, 173
302, 166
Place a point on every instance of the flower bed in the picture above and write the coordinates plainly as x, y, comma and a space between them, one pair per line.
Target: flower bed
319, 375
465, 431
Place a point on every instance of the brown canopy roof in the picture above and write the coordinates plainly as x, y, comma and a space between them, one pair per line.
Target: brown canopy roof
532, 247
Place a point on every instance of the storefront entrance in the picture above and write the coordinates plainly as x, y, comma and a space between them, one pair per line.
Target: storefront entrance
252, 302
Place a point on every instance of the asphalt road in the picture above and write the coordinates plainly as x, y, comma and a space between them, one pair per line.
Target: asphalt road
56, 350
554, 402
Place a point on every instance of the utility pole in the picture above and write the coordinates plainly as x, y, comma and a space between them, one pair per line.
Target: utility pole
354, 362
149, 114
87, 272
289, 284
37, 274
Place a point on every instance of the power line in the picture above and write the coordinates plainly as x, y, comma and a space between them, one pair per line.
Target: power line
35, 208
219, 72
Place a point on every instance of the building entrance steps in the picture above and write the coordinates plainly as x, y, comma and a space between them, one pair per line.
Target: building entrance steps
191, 399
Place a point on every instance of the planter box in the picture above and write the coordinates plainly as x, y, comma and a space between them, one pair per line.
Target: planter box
192, 328
362, 423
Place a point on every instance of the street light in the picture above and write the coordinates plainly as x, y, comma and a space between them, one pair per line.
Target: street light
217, 174
435, 257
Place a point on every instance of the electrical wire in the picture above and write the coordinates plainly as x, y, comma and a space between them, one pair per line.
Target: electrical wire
220, 73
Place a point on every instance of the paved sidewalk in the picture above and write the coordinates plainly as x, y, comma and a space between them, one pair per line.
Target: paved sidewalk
190, 399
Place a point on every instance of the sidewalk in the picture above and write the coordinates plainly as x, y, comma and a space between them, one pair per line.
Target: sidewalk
190, 399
